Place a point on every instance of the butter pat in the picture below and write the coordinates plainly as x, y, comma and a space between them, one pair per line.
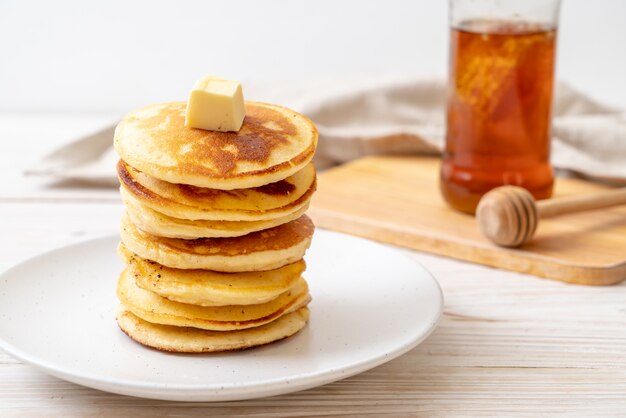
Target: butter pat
215, 105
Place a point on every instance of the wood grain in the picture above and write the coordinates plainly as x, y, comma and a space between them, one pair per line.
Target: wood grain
508, 345
396, 200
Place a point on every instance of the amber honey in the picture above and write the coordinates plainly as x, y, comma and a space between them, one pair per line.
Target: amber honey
499, 110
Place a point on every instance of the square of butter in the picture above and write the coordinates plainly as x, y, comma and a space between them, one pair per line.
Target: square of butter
215, 105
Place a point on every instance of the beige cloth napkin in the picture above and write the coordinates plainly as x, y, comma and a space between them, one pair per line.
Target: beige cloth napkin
387, 116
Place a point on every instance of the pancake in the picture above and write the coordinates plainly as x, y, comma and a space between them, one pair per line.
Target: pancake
272, 201
181, 201
258, 251
193, 340
162, 225
211, 288
272, 144
158, 310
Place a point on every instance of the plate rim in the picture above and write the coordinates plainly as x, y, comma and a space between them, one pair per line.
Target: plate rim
228, 391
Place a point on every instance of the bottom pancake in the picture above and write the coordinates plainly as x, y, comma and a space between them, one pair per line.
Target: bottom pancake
193, 340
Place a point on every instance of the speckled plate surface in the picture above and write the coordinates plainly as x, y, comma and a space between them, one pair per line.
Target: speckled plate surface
371, 304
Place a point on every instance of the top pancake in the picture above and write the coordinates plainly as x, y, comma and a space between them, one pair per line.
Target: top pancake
272, 144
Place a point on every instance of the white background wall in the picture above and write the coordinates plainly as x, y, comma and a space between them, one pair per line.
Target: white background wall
110, 56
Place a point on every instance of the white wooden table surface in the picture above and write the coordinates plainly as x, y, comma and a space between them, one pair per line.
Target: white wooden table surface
508, 345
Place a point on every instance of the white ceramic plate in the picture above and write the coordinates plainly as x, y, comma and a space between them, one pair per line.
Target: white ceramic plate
371, 304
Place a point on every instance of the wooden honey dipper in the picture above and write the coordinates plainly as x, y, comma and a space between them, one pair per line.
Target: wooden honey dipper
509, 215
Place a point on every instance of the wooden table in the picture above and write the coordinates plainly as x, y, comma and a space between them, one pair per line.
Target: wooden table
508, 345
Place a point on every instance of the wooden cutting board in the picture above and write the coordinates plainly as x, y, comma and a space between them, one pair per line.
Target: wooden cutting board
396, 200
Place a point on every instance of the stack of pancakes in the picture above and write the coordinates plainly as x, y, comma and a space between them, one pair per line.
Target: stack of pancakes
214, 229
